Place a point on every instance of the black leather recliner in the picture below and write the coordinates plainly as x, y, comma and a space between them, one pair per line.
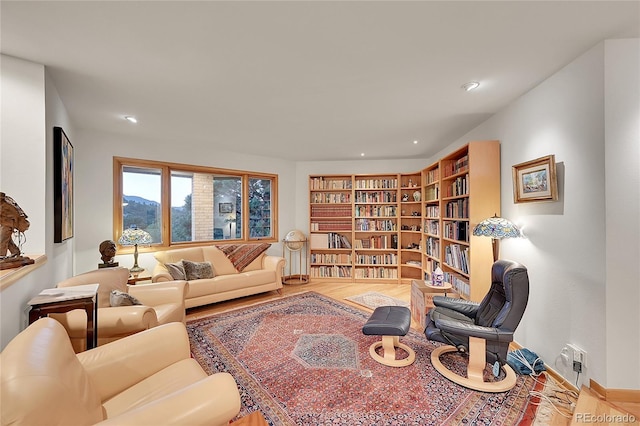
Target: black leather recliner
483, 329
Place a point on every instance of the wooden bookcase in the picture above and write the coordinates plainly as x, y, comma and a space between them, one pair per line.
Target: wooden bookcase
396, 228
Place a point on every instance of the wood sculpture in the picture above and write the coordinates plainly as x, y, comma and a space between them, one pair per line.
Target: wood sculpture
12, 220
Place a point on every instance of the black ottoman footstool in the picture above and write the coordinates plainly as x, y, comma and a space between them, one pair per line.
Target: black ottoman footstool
390, 322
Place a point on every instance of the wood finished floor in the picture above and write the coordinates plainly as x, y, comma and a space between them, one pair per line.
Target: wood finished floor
589, 402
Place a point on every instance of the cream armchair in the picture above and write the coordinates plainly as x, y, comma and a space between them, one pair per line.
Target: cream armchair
145, 379
162, 303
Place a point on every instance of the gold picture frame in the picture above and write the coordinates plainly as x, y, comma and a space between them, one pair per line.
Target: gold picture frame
535, 180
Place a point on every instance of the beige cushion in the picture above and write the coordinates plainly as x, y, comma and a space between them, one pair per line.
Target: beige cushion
109, 279
256, 264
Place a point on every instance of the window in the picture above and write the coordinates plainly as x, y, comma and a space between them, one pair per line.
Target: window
181, 204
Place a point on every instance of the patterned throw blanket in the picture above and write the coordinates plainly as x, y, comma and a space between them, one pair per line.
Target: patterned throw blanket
242, 255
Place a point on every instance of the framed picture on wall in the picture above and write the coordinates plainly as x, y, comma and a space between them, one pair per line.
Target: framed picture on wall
225, 207
535, 180
62, 186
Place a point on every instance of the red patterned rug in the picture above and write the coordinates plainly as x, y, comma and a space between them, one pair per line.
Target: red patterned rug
303, 360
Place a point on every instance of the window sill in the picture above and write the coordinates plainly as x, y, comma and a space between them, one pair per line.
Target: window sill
10, 276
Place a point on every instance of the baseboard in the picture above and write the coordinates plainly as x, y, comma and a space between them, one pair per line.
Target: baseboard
615, 395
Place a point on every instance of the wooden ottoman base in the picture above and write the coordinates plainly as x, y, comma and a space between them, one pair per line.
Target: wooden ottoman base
389, 345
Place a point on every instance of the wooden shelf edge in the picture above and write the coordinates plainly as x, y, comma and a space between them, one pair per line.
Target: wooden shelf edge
10, 276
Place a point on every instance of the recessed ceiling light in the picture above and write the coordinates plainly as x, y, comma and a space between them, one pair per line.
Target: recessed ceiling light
131, 119
470, 86
415, 142
362, 154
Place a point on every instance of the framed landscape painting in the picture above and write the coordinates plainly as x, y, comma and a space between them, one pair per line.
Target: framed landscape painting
535, 180
63, 186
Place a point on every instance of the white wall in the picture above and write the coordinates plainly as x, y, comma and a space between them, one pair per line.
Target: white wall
94, 192
622, 206
565, 248
30, 107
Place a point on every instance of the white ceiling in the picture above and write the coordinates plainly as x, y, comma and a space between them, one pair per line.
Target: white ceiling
302, 80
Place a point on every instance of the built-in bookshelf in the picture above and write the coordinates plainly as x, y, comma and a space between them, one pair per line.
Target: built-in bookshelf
396, 228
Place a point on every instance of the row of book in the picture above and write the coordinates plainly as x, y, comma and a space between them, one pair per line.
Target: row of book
377, 242
330, 240
376, 272
458, 209
457, 231
377, 259
458, 187
458, 166
432, 226
377, 183
331, 197
432, 247
375, 225
432, 192
330, 271
331, 225
321, 258
376, 211
376, 197
458, 257
321, 183
432, 176
460, 285
330, 211
432, 211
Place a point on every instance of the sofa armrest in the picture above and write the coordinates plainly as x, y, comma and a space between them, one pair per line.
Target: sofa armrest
211, 401
119, 365
161, 277
273, 263
124, 320
160, 293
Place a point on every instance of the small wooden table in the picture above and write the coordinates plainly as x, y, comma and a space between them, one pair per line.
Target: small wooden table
65, 299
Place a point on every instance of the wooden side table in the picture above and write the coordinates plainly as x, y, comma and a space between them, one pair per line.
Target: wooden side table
139, 277
60, 300
422, 293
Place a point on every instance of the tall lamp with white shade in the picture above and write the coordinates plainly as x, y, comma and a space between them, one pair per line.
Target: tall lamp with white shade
132, 237
497, 228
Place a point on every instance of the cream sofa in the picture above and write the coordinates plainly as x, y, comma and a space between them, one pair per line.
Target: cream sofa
147, 378
261, 275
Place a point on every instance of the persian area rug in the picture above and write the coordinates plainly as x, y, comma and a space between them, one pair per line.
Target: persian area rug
303, 360
374, 299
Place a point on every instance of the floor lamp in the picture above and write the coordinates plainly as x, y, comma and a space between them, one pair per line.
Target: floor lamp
497, 228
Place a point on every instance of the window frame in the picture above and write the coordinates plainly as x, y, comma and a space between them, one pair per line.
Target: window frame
165, 200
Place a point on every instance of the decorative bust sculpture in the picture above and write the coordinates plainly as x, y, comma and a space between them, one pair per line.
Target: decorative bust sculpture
108, 251
13, 220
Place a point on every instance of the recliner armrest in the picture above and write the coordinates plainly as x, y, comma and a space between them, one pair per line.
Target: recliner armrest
212, 401
471, 330
465, 307
124, 320
125, 362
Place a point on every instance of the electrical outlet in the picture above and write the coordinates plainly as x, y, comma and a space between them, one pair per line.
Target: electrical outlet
577, 357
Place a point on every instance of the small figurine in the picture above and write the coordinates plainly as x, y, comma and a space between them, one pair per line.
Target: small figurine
405, 197
107, 249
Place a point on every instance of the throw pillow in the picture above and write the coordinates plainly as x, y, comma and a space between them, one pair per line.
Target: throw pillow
176, 270
197, 270
120, 298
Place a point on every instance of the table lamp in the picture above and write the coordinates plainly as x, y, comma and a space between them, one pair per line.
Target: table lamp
497, 228
132, 237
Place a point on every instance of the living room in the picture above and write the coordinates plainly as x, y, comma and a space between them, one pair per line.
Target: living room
581, 251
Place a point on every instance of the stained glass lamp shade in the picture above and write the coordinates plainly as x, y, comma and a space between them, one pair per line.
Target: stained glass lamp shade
132, 237
497, 228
